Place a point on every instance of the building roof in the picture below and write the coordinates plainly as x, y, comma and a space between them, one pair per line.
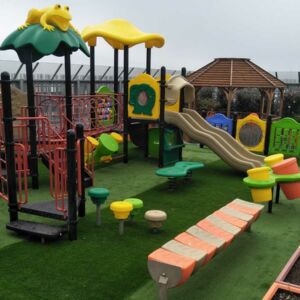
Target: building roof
120, 32
234, 73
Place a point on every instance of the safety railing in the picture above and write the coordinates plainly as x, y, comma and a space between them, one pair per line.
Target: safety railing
21, 173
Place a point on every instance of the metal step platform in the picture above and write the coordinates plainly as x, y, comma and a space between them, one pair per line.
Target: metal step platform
35, 229
44, 209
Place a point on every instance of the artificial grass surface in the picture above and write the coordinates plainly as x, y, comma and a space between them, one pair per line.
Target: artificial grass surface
104, 265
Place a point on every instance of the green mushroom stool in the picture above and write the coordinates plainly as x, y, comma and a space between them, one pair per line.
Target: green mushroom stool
98, 196
137, 204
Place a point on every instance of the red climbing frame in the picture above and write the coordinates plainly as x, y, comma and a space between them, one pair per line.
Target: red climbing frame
52, 149
98, 113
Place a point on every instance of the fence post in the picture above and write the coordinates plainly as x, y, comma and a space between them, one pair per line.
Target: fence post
9, 147
71, 185
80, 137
268, 134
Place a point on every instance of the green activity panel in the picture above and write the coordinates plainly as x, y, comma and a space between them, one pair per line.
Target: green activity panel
142, 98
285, 137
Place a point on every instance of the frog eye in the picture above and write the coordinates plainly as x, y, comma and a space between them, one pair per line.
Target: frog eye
57, 6
67, 8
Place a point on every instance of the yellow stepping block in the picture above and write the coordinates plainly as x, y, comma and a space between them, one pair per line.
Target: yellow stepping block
121, 210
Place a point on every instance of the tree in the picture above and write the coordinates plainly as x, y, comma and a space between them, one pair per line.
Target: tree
291, 105
247, 100
205, 99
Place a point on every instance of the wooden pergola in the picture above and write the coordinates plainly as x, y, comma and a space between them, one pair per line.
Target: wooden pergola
231, 74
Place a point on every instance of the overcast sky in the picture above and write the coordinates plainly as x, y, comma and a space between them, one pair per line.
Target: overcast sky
196, 31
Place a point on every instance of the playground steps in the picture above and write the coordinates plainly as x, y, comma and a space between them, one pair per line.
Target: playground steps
40, 230
88, 180
44, 209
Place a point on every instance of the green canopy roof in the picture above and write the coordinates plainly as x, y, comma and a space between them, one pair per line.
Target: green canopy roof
43, 42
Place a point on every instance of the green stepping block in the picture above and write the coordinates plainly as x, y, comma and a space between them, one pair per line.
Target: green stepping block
98, 195
180, 169
171, 172
137, 204
259, 184
287, 178
190, 165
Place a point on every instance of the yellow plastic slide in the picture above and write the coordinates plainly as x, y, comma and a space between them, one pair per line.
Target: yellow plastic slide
219, 141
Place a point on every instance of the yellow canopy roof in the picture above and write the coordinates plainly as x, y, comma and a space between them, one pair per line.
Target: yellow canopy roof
120, 32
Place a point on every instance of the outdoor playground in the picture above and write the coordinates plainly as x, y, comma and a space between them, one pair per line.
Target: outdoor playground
134, 194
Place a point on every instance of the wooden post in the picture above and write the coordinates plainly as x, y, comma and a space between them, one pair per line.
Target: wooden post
270, 96
229, 96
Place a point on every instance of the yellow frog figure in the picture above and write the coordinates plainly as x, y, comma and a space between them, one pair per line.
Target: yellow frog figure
49, 18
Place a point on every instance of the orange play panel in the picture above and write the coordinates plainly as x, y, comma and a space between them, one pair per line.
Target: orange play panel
194, 242
186, 264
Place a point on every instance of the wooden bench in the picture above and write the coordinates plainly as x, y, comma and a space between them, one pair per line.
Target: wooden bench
181, 169
173, 263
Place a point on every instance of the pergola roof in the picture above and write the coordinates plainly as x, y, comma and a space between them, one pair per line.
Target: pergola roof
120, 32
234, 73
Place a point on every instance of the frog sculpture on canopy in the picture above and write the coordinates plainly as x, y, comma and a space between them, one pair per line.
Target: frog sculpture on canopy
49, 18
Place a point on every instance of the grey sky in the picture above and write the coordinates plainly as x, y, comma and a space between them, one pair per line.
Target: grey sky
267, 31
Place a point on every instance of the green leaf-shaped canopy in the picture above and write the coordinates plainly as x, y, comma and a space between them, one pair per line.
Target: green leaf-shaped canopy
43, 42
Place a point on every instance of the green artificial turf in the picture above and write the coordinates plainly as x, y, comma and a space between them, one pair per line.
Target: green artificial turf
103, 265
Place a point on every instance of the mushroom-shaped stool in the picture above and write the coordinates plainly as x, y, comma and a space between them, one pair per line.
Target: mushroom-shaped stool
155, 219
98, 196
137, 205
121, 210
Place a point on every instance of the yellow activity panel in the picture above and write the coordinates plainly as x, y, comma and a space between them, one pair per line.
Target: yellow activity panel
251, 132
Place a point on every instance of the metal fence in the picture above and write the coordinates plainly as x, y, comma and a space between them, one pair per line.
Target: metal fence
49, 77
